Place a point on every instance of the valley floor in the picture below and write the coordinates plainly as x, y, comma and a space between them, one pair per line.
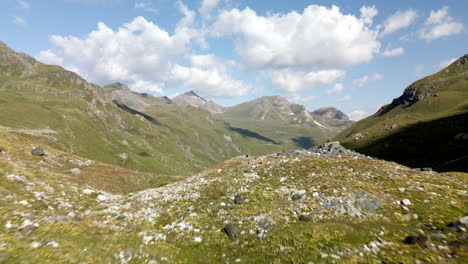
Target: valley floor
281, 208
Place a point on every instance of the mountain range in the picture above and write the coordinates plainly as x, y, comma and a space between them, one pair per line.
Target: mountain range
115, 125
288, 124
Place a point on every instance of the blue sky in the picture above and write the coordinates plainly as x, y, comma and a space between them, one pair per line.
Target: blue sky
354, 55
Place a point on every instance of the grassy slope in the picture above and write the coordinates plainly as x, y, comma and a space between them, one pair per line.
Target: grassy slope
47, 97
427, 125
204, 202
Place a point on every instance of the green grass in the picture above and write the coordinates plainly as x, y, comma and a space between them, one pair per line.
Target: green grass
99, 237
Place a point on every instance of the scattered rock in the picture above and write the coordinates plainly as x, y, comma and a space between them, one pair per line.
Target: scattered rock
422, 240
437, 236
368, 206
334, 149
358, 136
88, 191
53, 244
305, 218
239, 199
35, 244
293, 152
27, 230
120, 217
39, 151
459, 136
426, 169
360, 194
406, 202
460, 225
101, 197
75, 171
296, 197
231, 230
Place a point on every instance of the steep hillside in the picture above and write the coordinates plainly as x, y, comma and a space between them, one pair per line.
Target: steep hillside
289, 124
298, 208
112, 124
191, 99
425, 127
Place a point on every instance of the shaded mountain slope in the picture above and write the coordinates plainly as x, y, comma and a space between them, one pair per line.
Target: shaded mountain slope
425, 120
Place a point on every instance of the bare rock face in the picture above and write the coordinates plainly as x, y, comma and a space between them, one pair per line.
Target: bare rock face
334, 149
191, 99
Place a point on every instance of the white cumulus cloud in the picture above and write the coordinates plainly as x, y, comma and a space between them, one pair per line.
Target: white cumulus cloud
345, 98
207, 6
399, 20
335, 90
209, 77
23, 4
146, 6
19, 20
393, 52
299, 99
357, 115
145, 57
319, 36
294, 81
366, 79
440, 24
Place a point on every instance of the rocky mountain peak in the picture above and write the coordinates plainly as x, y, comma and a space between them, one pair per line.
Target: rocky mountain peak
4, 47
9, 57
192, 93
192, 99
117, 86
463, 59
331, 112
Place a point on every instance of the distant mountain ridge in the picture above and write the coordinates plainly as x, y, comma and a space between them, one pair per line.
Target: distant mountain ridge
112, 124
279, 119
424, 127
192, 99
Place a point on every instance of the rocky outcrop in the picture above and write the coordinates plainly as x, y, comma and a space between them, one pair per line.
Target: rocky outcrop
334, 149
192, 99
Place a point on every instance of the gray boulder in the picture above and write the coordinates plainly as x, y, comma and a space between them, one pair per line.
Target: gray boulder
29, 229
39, 151
422, 240
231, 230
368, 206
460, 225
296, 196
360, 194
239, 199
